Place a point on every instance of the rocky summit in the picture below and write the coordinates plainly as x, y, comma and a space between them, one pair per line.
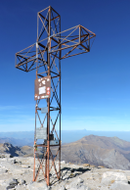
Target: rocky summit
16, 173
91, 163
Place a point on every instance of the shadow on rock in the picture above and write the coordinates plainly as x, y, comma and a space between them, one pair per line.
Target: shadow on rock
68, 172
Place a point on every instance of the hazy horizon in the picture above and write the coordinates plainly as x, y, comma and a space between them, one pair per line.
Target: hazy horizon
68, 135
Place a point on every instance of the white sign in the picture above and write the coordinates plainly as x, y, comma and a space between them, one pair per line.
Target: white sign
42, 90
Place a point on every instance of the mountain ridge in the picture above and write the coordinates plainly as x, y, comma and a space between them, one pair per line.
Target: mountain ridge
110, 152
98, 150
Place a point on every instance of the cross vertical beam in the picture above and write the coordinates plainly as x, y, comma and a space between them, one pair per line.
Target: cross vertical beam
52, 69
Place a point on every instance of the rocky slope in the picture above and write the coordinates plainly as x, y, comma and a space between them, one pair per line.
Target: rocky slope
16, 174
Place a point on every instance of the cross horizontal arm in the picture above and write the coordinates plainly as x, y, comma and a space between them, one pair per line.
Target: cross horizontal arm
73, 41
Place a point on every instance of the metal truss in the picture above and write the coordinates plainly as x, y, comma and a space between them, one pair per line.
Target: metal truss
45, 56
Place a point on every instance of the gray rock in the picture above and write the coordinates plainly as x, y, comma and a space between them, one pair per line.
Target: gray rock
104, 188
2, 170
120, 186
38, 186
62, 162
81, 188
84, 188
80, 180
5, 155
12, 183
21, 187
21, 181
110, 177
13, 161
62, 188
75, 184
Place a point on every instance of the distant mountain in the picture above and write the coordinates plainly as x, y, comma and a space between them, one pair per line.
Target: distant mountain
110, 152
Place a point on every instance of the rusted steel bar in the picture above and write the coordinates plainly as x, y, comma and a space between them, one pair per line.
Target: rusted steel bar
54, 18
43, 17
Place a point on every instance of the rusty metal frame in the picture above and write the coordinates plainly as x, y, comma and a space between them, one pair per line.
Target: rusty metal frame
45, 56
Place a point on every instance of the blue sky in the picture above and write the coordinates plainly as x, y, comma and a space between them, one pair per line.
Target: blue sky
102, 101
